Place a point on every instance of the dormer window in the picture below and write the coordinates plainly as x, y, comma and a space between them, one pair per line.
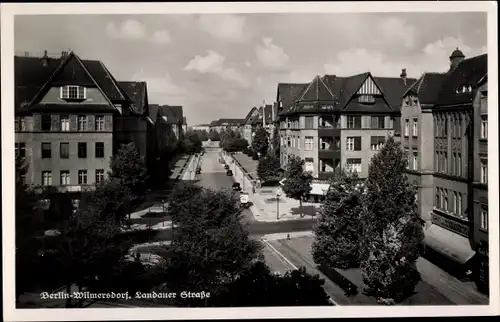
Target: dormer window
464, 89
73, 92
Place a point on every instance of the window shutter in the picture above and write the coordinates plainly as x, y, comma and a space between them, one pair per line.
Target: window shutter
91, 122
37, 122
108, 122
357, 122
54, 122
357, 143
73, 122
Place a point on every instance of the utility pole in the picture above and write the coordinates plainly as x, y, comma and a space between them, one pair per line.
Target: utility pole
278, 205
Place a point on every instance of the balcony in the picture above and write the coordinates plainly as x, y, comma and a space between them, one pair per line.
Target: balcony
329, 130
443, 219
329, 153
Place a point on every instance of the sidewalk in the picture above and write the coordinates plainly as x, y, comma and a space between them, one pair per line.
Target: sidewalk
265, 205
457, 292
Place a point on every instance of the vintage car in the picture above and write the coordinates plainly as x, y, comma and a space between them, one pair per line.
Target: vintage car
244, 200
229, 173
236, 186
226, 167
198, 170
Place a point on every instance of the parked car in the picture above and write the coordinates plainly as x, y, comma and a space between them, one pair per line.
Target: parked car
226, 167
236, 186
198, 170
229, 173
244, 200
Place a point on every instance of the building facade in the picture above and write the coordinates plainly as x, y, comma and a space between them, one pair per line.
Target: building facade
339, 122
443, 111
71, 116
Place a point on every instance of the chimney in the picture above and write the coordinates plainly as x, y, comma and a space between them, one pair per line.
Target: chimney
45, 59
64, 54
403, 75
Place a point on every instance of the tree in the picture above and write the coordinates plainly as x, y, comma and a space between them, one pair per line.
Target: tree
392, 232
260, 142
260, 287
338, 228
86, 251
213, 135
276, 141
129, 172
297, 181
203, 135
268, 168
210, 246
192, 142
28, 229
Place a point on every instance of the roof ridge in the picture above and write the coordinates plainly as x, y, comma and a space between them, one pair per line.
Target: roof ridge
421, 82
327, 88
114, 81
305, 91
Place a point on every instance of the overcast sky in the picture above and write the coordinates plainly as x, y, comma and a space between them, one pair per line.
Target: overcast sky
219, 66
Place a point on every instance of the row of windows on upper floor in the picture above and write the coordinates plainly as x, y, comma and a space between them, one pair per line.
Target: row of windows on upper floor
458, 205
65, 177
352, 143
64, 122
441, 127
64, 147
353, 122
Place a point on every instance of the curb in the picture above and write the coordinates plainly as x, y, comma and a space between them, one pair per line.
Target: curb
264, 240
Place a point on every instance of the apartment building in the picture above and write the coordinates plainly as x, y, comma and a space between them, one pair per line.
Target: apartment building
338, 122
441, 121
201, 127
258, 117
70, 116
233, 124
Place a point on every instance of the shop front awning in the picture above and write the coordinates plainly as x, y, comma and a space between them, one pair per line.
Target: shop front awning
319, 188
449, 244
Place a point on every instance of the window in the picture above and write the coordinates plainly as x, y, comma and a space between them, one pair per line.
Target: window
82, 176
46, 178
353, 122
289, 141
46, 150
73, 92
445, 204
484, 171
46, 122
309, 164
65, 180
445, 128
20, 149
309, 143
82, 122
459, 127
484, 126
64, 150
378, 122
459, 165
309, 122
99, 122
377, 142
99, 149
415, 127
99, 175
353, 165
407, 127
484, 219
459, 204
82, 149
366, 99
349, 144
64, 122
415, 160
445, 162
438, 198
455, 202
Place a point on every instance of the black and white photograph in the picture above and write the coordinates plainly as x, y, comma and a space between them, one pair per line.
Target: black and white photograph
318, 161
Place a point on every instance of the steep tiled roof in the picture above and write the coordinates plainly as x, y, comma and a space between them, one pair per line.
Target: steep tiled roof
177, 111
153, 111
268, 112
289, 93
468, 73
31, 76
393, 89
427, 87
249, 116
167, 114
137, 93
316, 91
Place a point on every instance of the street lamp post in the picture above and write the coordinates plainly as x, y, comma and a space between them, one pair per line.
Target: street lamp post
278, 195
